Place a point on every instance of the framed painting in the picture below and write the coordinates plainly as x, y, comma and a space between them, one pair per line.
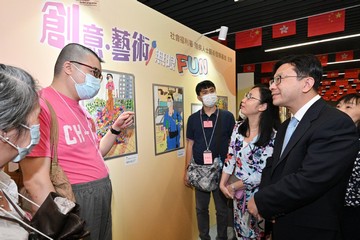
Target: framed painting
195, 107
168, 118
116, 95
222, 102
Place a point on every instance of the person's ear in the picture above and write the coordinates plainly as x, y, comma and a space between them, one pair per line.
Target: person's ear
308, 84
67, 68
263, 107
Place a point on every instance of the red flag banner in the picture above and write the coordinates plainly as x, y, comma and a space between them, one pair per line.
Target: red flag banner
341, 83
326, 23
344, 56
326, 82
332, 74
326, 98
265, 80
249, 38
284, 29
267, 67
323, 59
352, 73
249, 68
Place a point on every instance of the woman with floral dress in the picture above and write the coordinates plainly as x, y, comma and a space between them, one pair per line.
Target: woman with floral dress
251, 144
350, 104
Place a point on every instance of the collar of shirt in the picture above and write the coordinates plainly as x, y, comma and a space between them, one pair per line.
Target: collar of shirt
204, 114
301, 112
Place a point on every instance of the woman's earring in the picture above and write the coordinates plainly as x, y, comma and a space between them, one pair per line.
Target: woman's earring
4, 138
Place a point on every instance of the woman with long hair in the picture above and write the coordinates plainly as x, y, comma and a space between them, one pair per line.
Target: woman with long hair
251, 144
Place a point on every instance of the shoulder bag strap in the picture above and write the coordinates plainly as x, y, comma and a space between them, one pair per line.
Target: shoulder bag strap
54, 132
218, 133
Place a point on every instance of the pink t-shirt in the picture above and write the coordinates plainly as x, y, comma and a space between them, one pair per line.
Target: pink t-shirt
78, 146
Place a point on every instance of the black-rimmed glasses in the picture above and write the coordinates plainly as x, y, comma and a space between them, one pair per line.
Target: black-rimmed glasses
277, 79
96, 71
249, 96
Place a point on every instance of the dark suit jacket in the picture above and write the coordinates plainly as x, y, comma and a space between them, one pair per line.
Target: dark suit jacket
304, 188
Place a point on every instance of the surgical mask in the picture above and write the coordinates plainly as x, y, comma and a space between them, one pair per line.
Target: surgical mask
210, 99
169, 104
242, 115
89, 88
35, 138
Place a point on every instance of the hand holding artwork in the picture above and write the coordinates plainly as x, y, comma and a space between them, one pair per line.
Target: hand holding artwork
125, 120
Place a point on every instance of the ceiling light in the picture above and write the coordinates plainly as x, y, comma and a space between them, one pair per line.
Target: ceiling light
222, 32
325, 75
313, 42
348, 61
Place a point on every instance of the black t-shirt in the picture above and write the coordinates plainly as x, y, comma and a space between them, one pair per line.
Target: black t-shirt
194, 131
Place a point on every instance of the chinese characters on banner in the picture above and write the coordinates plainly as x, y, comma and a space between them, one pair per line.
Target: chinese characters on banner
61, 25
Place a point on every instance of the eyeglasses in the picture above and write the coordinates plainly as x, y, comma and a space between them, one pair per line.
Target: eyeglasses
277, 79
96, 71
249, 96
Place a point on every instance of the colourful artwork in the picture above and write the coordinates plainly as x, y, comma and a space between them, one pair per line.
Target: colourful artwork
222, 102
168, 118
116, 95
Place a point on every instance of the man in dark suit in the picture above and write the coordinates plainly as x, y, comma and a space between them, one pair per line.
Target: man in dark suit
303, 184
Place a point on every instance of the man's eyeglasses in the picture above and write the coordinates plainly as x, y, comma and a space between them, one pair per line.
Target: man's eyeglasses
96, 71
277, 79
249, 96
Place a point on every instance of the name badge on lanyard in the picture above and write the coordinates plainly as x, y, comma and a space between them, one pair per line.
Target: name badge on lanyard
208, 124
207, 157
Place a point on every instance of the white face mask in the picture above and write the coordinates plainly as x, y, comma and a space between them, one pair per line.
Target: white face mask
34, 139
242, 115
89, 88
169, 104
210, 99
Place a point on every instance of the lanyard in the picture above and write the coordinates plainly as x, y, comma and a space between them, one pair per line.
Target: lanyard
213, 130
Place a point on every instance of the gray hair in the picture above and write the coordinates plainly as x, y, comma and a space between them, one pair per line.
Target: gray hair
73, 52
18, 97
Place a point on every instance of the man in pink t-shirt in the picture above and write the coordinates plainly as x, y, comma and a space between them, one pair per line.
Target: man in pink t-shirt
77, 76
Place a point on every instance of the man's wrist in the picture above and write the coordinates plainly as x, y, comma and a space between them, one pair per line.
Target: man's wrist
115, 132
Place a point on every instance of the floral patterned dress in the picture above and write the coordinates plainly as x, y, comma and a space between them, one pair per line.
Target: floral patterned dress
248, 161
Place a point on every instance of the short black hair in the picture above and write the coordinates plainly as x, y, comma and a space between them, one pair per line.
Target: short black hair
304, 65
109, 74
74, 52
204, 85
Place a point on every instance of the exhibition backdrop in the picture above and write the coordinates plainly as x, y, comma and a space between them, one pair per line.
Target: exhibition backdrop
151, 66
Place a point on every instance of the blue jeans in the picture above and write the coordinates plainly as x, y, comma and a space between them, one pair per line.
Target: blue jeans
202, 211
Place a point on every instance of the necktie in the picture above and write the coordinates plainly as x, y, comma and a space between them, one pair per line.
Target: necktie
289, 131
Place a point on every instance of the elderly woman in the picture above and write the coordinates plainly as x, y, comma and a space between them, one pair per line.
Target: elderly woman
19, 132
19, 110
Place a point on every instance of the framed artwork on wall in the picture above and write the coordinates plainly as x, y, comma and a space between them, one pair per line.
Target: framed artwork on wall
222, 102
168, 118
195, 107
116, 95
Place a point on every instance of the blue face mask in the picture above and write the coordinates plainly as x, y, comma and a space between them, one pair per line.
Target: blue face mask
89, 88
35, 138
